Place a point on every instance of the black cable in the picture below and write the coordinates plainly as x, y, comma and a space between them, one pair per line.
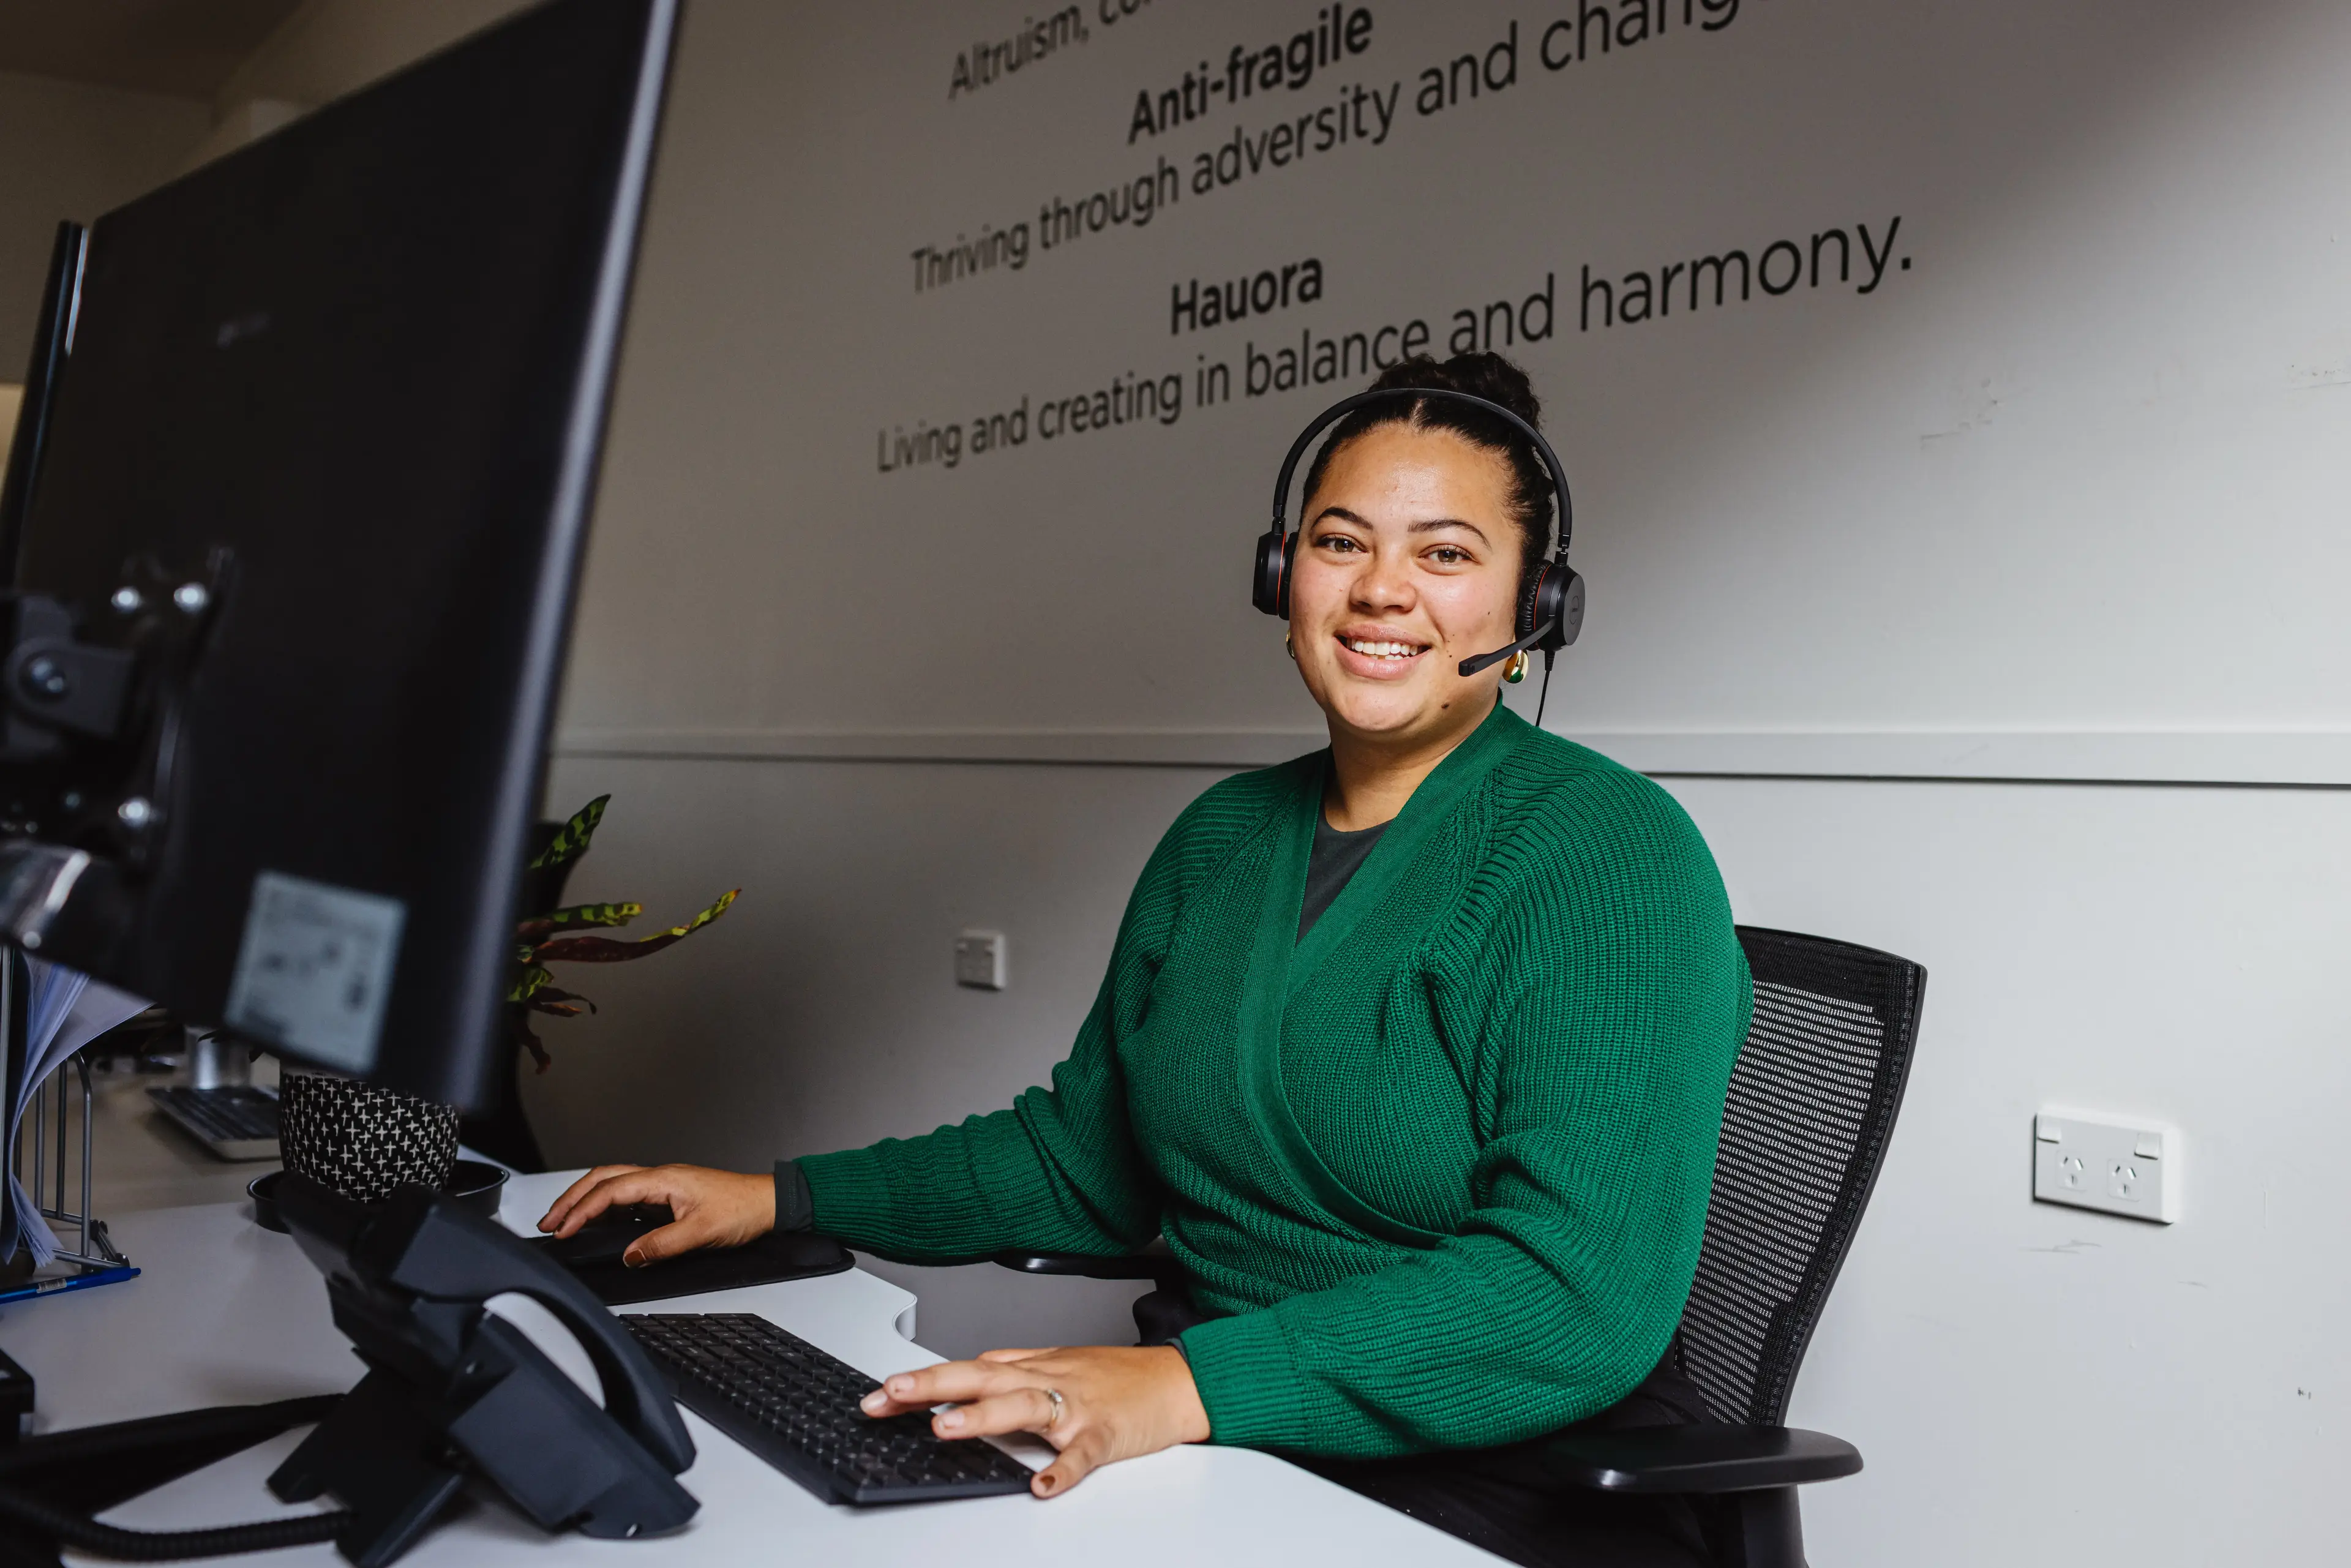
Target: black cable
181, 1441
170, 1545
239, 1425
1545, 695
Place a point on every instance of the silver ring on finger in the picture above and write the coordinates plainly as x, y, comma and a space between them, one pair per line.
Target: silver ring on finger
1059, 1405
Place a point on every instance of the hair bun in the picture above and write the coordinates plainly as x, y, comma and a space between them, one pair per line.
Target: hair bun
1486, 375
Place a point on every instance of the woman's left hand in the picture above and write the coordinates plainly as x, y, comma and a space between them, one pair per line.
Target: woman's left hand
1115, 1404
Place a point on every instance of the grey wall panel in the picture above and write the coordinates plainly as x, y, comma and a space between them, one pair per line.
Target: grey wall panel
2026, 1381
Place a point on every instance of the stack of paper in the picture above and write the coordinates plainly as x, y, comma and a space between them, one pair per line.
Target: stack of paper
65, 1011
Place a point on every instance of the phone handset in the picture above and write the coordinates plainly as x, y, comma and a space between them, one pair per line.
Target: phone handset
464, 1258
408, 1279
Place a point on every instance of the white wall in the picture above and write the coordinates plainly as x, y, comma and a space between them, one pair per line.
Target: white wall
2037, 1384
2074, 473
72, 151
2060, 502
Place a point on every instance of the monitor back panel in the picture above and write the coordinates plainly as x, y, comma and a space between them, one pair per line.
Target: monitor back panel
368, 357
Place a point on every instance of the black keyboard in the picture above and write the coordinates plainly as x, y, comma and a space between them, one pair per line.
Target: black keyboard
236, 1121
796, 1407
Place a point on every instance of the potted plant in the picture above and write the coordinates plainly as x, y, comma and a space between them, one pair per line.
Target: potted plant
558, 936
362, 1140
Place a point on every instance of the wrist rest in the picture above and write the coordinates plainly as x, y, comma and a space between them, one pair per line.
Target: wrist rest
776, 1256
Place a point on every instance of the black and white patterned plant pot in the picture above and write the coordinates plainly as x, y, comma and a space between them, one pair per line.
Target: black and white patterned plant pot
360, 1140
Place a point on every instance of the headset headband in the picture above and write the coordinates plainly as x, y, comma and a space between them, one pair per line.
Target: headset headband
1346, 406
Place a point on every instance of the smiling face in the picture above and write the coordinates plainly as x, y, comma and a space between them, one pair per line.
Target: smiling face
1407, 564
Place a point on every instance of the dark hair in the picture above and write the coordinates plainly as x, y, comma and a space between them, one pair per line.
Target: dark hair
1496, 380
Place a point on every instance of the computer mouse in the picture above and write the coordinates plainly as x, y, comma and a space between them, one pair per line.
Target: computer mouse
605, 1238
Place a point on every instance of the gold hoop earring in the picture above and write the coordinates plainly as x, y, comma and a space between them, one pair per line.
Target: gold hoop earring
1518, 670
1289, 648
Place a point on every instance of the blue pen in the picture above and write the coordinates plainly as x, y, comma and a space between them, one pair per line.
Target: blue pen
32, 1288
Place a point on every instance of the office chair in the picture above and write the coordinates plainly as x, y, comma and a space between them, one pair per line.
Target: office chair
1812, 1103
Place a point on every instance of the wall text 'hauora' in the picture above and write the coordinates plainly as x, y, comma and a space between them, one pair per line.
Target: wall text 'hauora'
1198, 304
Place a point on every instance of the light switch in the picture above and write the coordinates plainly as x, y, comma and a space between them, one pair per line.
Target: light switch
2101, 1163
979, 960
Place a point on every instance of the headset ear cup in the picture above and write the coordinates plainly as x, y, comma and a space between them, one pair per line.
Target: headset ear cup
1289, 564
1268, 590
1568, 607
1555, 600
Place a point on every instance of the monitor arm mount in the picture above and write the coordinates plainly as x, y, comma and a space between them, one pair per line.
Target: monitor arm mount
90, 717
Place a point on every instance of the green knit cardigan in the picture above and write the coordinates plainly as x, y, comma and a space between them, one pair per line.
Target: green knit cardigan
1440, 1169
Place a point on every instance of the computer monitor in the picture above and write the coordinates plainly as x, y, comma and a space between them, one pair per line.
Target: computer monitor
40, 377
299, 552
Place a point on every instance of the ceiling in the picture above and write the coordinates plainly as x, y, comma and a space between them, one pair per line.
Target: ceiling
183, 46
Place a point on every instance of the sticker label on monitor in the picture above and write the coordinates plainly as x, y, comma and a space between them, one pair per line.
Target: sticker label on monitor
314, 971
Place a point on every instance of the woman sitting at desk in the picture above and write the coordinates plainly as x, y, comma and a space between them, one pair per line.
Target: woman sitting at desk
1414, 1050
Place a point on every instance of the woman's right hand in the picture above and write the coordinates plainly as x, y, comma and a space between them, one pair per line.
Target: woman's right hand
709, 1208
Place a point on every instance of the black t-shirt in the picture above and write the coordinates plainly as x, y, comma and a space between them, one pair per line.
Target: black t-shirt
1335, 858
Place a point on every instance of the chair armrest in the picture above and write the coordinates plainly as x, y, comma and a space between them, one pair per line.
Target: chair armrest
1154, 1262
1694, 1458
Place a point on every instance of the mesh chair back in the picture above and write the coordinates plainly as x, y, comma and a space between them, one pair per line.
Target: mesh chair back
1813, 1100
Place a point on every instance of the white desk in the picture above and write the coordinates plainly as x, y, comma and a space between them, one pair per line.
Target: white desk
228, 1313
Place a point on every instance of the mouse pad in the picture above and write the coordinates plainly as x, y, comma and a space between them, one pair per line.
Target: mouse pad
773, 1257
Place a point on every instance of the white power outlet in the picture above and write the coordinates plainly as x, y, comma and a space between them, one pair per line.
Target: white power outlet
2116, 1168
979, 960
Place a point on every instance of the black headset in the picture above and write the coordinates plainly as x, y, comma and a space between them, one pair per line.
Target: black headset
1551, 611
